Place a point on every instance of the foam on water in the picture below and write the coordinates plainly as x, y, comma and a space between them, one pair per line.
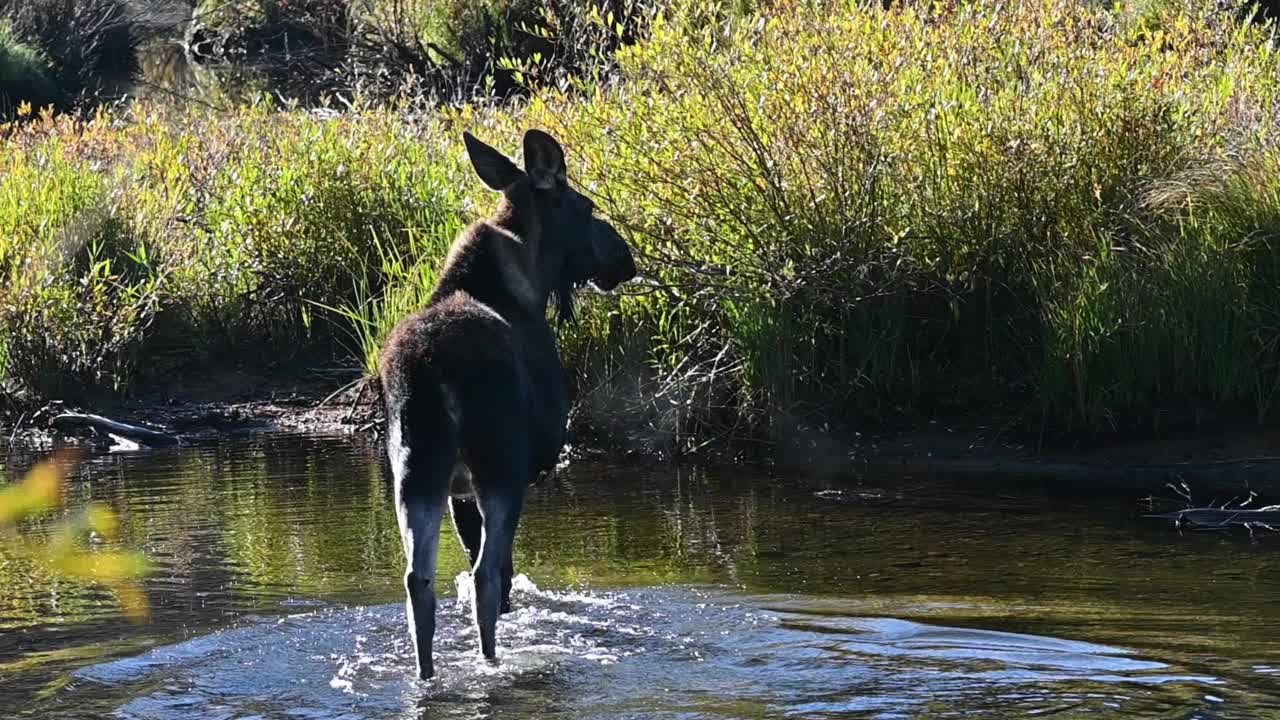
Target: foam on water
640, 654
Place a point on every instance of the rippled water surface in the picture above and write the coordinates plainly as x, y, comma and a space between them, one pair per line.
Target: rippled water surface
645, 592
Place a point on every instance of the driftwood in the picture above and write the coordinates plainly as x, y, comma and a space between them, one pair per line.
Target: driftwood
1266, 518
1217, 476
134, 433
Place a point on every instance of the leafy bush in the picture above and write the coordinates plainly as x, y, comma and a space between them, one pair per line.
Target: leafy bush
291, 209
83, 39
79, 290
452, 50
841, 213
227, 231
876, 213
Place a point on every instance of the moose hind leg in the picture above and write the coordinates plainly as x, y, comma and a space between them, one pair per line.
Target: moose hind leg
501, 512
469, 523
420, 531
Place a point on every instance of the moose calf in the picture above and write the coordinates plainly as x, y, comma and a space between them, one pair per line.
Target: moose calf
475, 392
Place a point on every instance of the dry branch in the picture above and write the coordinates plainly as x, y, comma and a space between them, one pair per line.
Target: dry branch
140, 435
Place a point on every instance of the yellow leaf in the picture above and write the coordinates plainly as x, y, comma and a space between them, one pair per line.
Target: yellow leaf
101, 520
132, 601
38, 492
101, 566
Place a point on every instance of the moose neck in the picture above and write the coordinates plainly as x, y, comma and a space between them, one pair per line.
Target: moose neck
518, 214
506, 262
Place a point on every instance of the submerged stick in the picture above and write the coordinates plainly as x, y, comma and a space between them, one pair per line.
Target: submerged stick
140, 435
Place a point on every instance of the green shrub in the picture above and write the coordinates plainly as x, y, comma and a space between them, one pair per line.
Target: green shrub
291, 210
927, 208
79, 290
429, 50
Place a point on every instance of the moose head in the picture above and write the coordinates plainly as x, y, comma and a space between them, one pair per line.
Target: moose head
571, 246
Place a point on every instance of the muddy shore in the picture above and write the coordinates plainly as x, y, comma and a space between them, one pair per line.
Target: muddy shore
1223, 460
224, 403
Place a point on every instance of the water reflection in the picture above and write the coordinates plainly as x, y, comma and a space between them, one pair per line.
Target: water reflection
168, 72
827, 601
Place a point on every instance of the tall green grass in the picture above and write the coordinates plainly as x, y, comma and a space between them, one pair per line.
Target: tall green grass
1047, 207
79, 289
405, 278
195, 238
281, 210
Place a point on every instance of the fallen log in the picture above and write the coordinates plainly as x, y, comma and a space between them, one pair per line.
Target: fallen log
135, 433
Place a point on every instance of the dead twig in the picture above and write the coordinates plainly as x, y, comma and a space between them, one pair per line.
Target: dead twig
16, 427
338, 392
1211, 518
351, 411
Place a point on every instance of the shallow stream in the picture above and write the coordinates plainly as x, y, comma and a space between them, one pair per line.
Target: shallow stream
646, 591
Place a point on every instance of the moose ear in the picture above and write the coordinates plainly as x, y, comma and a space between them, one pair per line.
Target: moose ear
543, 159
495, 169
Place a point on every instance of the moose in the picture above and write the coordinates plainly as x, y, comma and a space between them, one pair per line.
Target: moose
476, 399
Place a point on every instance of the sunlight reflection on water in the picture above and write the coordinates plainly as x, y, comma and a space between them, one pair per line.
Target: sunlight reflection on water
639, 654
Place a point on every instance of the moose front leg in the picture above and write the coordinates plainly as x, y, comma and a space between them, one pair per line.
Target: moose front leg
501, 501
507, 571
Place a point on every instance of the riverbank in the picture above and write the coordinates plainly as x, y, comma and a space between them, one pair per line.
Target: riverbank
226, 403
1210, 467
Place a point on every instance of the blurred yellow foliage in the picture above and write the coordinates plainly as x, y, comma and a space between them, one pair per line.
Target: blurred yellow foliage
64, 548
39, 492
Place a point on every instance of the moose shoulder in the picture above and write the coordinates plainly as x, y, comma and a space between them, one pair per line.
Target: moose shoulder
474, 388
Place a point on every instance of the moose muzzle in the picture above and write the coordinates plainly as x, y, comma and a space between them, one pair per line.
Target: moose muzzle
614, 264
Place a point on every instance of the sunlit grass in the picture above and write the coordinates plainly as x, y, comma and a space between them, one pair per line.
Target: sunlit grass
389, 286
938, 207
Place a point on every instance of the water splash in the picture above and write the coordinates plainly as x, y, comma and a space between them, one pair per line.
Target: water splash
638, 654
